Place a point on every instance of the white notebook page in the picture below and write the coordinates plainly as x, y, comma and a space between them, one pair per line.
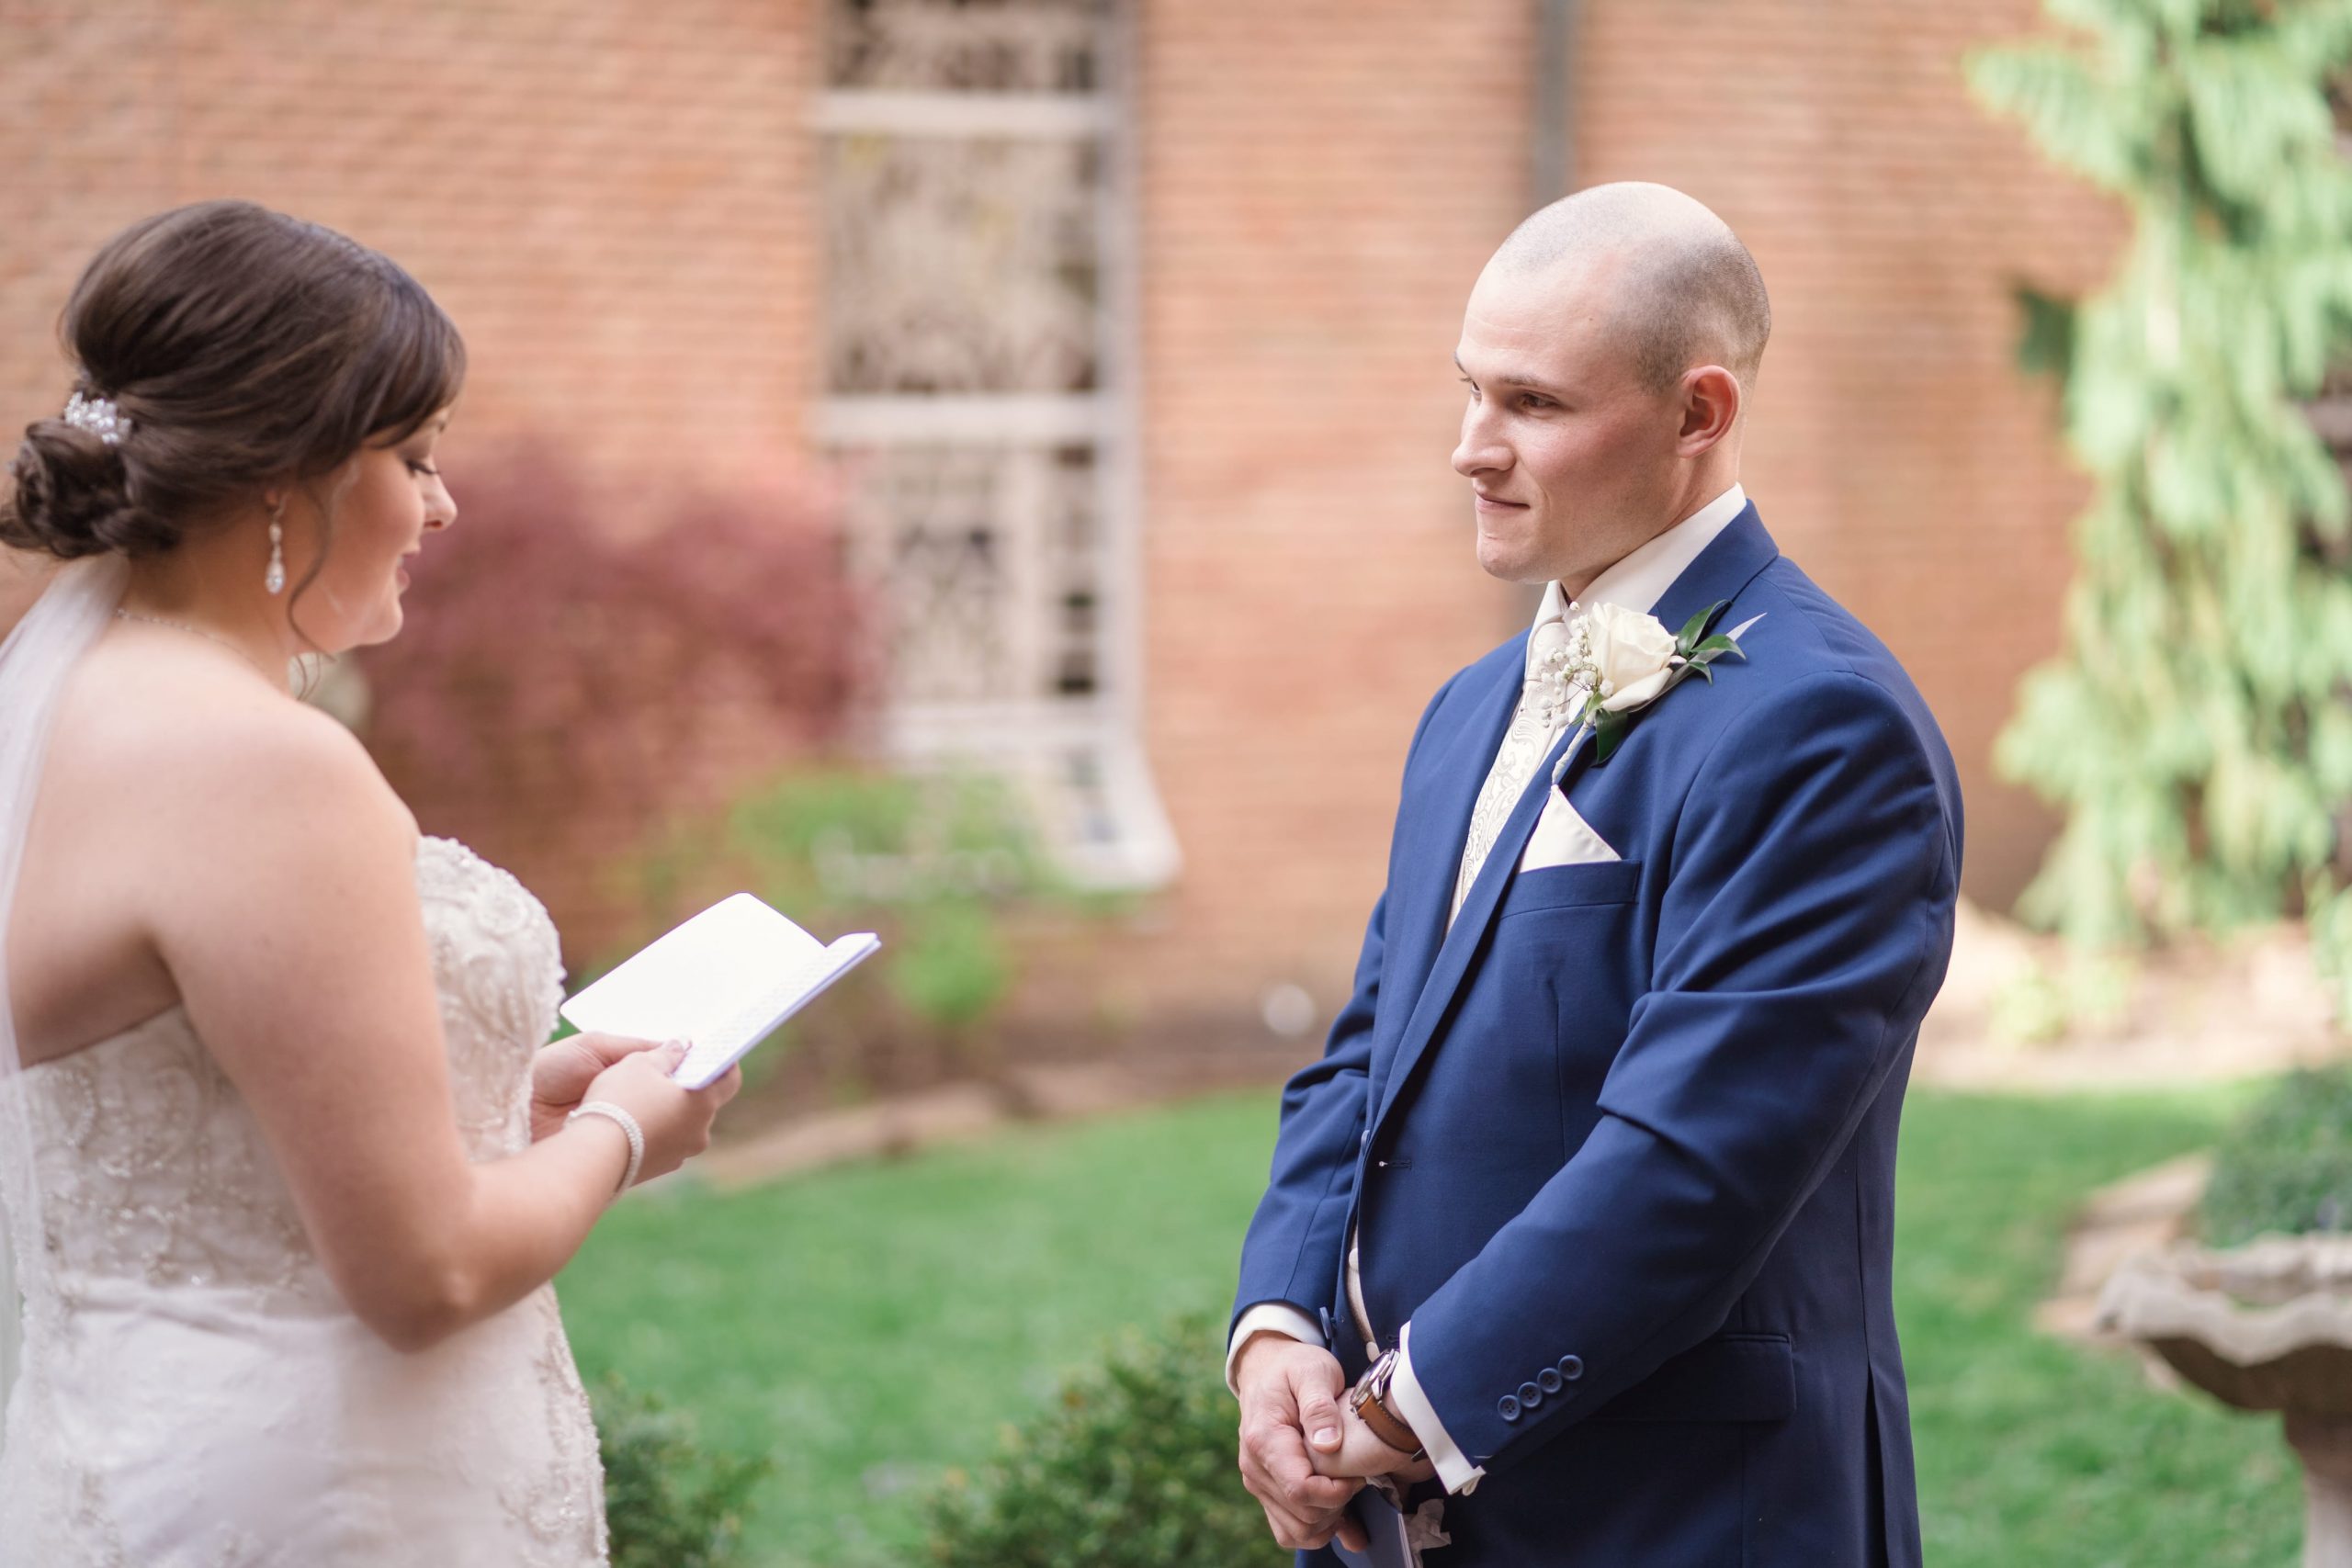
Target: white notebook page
722, 980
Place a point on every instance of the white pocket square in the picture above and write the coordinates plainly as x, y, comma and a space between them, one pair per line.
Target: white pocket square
1563, 838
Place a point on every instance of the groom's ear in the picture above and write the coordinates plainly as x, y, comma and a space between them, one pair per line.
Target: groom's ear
1711, 403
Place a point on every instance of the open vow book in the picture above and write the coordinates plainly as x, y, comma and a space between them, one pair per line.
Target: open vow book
723, 981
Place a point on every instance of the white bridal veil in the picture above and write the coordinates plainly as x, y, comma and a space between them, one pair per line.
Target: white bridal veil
34, 663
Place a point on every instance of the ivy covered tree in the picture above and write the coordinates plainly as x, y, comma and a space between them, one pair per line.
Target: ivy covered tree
2196, 727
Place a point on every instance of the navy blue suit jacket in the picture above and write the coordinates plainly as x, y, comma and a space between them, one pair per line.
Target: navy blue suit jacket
1620, 1142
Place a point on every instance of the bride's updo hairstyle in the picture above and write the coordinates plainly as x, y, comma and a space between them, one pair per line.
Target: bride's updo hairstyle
243, 348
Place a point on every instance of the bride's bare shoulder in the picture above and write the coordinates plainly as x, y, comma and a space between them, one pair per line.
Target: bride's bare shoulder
197, 744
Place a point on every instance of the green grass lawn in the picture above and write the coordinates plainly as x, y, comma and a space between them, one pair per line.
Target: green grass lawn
2031, 1451
872, 1327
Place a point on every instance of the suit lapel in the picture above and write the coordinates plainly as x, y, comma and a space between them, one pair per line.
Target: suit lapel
1722, 572
1439, 823
1469, 928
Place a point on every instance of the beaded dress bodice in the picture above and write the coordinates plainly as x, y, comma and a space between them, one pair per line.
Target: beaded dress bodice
172, 1256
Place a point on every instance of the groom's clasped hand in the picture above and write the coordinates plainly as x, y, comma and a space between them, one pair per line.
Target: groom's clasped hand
1293, 1438
1305, 1452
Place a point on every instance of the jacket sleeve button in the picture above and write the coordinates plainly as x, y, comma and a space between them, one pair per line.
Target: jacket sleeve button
1548, 1379
1530, 1395
1507, 1408
1572, 1367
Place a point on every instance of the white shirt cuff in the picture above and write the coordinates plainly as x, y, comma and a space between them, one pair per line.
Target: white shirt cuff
1269, 1318
1452, 1468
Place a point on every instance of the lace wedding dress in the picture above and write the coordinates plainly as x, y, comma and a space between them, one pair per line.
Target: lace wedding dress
191, 1391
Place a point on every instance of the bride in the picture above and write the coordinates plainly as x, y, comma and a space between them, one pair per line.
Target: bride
286, 1172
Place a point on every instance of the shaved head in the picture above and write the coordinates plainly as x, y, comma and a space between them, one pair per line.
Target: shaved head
1681, 289
1607, 349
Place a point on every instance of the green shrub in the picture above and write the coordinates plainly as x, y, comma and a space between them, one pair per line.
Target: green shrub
2193, 726
938, 863
936, 858
1132, 1468
669, 1502
2285, 1167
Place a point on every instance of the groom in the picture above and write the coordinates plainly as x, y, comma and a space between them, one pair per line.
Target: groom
1591, 1196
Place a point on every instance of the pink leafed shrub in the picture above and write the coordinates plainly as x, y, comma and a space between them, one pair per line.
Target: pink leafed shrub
559, 692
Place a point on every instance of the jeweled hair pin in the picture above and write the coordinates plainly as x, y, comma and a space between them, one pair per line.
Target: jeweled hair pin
96, 415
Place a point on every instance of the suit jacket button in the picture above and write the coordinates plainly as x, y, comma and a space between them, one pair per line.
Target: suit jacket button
1507, 1408
1530, 1395
1572, 1367
1548, 1379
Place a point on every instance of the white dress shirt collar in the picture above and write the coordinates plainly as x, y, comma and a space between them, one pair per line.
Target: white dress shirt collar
1642, 578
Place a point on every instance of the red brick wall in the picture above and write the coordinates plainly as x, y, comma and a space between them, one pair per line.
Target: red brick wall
1895, 451
614, 199
1322, 181
610, 195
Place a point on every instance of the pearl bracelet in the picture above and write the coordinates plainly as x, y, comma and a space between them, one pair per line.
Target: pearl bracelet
628, 1124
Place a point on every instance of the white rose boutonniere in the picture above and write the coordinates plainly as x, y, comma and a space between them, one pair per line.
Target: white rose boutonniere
1632, 657
1618, 661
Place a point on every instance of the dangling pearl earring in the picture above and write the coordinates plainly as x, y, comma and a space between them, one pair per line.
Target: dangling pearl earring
275, 578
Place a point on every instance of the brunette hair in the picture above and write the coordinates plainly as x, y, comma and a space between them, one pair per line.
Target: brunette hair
244, 348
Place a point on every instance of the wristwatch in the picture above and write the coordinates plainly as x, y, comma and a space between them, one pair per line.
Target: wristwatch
1369, 1400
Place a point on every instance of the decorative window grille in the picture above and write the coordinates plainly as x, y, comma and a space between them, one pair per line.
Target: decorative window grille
979, 322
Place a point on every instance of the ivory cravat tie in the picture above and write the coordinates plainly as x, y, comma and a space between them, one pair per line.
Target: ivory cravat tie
1535, 723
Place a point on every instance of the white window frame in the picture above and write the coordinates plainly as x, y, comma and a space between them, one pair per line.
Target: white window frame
1082, 760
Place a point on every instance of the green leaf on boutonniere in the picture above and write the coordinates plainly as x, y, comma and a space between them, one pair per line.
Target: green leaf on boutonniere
1608, 730
1717, 645
1687, 640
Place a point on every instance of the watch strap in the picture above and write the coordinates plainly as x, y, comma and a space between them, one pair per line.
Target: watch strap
1371, 1407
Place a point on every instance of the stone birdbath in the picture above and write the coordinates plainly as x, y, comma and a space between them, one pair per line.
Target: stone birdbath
2263, 1327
